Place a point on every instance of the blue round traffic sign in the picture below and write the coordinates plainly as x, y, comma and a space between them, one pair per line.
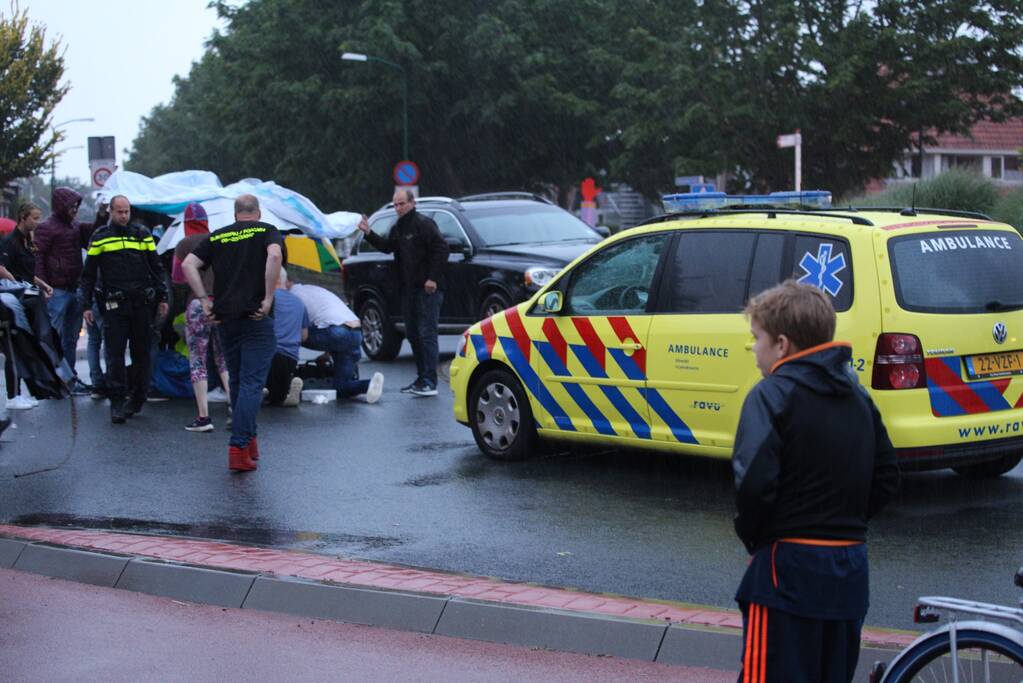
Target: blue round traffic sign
406, 173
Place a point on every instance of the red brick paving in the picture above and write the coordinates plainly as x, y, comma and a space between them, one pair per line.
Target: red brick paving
378, 575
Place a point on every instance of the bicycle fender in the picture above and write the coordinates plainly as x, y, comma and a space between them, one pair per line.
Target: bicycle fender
993, 628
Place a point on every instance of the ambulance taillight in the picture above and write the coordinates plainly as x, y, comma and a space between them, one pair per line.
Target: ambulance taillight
898, 362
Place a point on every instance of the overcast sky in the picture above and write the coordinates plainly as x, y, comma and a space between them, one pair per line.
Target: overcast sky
120, 57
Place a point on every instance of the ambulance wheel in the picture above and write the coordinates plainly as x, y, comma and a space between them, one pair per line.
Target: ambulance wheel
500, 417
994, 468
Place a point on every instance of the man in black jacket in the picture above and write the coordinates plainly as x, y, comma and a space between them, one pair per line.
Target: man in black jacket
124, 256
421, 254
812, 464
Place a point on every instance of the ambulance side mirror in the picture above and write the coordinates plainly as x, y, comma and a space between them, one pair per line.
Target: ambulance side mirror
553, 302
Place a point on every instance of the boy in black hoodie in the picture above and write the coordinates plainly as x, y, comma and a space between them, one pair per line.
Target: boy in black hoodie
812, 464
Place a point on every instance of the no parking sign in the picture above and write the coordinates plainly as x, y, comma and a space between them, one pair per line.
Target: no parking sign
406, 173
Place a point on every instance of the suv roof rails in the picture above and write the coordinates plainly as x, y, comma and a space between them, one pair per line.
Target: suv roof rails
505, 195
913, 211
857, 220
437, 200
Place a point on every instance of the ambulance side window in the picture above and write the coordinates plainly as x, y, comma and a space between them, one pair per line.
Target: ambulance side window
767, 263
824, 262
709, 271
617, 279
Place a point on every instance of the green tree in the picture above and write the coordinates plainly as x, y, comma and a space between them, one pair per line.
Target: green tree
537, 94
502, 95
30, 88
711, 91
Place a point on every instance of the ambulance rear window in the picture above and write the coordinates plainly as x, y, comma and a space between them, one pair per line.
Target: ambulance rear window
958, 271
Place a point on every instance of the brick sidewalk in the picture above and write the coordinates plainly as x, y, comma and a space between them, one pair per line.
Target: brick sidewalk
392, 577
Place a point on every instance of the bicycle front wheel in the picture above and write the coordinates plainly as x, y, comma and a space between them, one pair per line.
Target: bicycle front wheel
990, 654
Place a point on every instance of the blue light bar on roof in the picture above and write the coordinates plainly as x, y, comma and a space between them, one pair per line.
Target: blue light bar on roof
709, 201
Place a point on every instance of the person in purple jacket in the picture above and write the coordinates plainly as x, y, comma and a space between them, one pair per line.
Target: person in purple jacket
59, 241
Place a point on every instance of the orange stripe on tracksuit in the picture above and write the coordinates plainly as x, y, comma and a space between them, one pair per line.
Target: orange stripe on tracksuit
754, 661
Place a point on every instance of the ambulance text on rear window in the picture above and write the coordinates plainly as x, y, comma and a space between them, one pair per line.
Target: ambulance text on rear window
958, 271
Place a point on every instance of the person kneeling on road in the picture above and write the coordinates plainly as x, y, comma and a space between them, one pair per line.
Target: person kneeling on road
291, 326
336, 330
124, 256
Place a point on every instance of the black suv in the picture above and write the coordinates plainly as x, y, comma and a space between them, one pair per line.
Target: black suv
504, 247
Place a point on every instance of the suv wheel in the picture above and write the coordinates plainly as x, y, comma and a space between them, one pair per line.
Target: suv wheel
380, 340
494, 303
500, 417
995, 468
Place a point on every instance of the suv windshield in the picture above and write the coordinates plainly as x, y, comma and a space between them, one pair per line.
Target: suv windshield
523, 224
958, 271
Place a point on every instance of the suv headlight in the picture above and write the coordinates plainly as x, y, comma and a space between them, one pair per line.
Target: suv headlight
538, 277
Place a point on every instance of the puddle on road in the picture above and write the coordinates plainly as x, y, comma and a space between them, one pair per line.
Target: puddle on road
276, 538
439, 446
435, 479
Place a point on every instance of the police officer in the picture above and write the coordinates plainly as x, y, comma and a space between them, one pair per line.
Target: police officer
133, 288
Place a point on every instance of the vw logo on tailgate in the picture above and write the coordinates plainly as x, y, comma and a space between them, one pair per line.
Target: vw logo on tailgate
999, 332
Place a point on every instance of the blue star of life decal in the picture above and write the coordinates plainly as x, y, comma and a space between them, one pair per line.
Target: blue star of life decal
822, 270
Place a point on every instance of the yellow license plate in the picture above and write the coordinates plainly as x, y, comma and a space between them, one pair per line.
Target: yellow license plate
987, 365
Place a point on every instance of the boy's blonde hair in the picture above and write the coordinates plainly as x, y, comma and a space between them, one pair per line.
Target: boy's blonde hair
802, 313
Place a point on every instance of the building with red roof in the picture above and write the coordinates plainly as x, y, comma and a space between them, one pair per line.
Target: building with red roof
991, 149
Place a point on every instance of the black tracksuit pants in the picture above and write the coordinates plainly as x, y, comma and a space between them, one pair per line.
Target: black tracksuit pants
129, 325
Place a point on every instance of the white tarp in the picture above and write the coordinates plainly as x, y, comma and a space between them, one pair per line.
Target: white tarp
170, 193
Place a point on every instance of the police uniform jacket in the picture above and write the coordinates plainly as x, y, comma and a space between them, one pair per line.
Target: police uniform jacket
126, 258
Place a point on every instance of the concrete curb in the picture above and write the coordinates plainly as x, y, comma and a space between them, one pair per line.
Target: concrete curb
184, 582
571, 630
73, 565
389, 609
551, 628
10, 551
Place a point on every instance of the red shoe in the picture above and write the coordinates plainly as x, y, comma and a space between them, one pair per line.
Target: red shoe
238, 459
253, 449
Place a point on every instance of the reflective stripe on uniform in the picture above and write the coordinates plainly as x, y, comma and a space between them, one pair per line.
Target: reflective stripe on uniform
111, 244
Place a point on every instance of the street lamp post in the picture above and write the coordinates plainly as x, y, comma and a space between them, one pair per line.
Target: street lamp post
359, 57
53, 160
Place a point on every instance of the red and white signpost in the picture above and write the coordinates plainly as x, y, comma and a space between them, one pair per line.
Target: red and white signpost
794, 140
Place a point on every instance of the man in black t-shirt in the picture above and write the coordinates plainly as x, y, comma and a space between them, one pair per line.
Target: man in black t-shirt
246, 260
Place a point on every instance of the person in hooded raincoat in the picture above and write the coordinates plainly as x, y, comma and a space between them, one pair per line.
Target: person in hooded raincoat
59, 241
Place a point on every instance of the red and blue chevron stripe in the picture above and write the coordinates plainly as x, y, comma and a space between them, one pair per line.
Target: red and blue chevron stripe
950, 395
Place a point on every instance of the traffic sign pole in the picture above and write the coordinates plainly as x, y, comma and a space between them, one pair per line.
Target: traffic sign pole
799, 161
794, 140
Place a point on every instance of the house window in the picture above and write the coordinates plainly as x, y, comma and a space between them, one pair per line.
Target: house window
996, 167
1011, 168
966, 162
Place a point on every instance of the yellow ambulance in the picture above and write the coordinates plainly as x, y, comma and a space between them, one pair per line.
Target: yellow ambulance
642, 342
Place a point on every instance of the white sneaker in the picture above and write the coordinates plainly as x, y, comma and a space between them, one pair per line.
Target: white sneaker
21, 402
376, 387
294, 392
218, 395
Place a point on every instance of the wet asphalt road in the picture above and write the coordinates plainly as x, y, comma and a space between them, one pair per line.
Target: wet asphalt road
401, 482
